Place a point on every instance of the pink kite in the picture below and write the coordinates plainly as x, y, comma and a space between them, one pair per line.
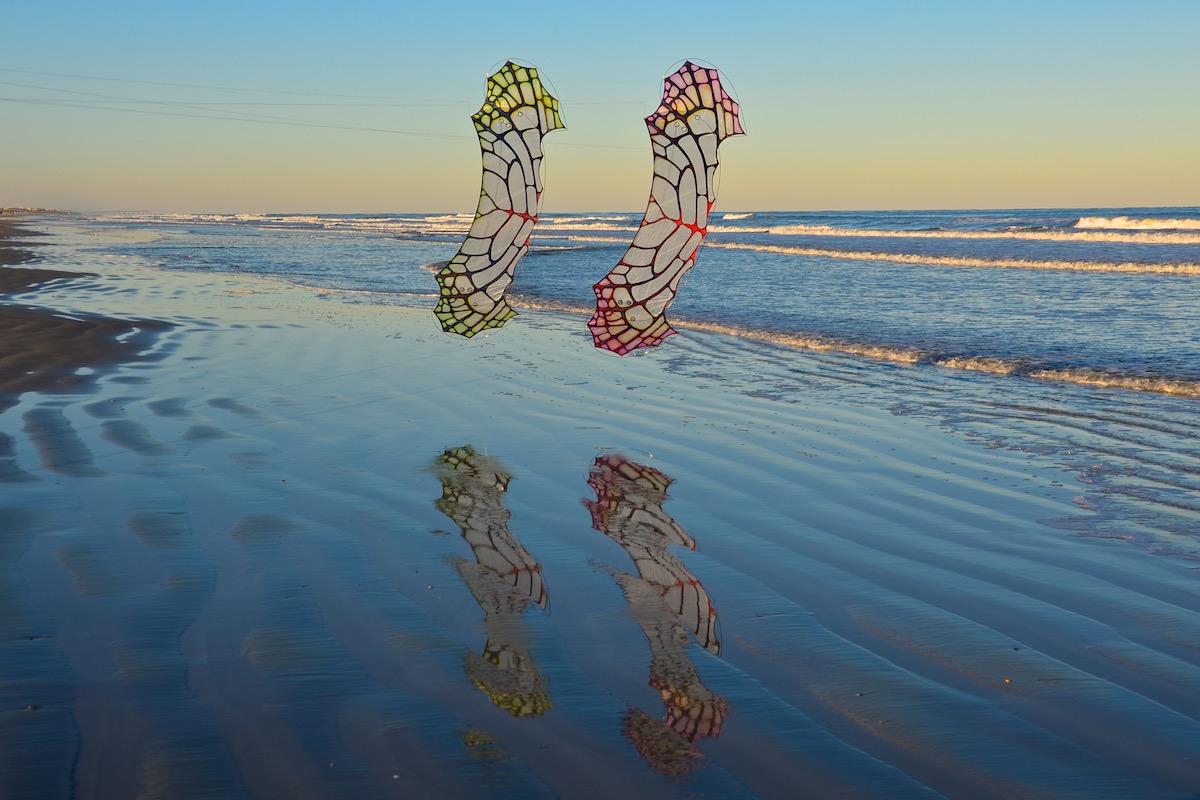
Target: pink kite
695, 116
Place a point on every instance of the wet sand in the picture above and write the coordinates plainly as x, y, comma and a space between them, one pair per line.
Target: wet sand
274, 544
13, 250
44, 350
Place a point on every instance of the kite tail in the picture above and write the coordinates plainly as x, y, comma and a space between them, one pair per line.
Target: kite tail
462, 316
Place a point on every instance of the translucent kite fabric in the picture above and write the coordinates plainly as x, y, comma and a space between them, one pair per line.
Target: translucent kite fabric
667, 601
695, 116
505, 580
473, 488
517, 113
628, 509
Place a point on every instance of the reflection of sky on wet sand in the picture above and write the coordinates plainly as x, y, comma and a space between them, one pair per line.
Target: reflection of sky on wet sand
668, 602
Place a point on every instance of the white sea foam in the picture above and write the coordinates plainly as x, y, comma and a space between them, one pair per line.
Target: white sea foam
190, 218
1004, 367
572, 221
992, 366
713, 228
449, 218
546, 225
546, 304
964, 261
1144, 224
1146, 235
577, 238
902, 355
444, 224
1181, 388
1121, 229
1156, 237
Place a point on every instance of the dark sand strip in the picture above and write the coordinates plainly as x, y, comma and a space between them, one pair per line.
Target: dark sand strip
43, 351
23, 279
12, 250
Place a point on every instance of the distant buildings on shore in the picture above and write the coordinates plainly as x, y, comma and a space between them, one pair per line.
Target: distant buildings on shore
5, 211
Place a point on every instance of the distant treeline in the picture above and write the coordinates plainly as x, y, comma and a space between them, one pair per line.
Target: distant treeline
5, 211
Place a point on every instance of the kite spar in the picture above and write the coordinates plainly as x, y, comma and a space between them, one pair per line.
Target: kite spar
695, 116
516, 114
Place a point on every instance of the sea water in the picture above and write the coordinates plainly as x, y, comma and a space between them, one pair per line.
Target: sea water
1094, 296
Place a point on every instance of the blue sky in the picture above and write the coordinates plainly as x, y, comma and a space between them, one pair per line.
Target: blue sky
847, 105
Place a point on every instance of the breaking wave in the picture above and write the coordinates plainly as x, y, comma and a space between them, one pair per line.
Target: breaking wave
547, 226
449, 218
572, 220
398, 225
966, 261
1144, 224
1144, 235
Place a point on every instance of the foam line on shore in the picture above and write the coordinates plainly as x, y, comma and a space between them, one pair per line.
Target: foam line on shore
900, 354
962, 261
1164, 235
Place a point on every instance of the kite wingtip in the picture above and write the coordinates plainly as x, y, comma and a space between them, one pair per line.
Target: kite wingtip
459, 319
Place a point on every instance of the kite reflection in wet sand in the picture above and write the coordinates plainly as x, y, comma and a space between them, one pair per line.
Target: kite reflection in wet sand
505, 580
695, 116
667, 601
517, 113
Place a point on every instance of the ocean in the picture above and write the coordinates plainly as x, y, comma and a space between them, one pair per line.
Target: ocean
1089, 296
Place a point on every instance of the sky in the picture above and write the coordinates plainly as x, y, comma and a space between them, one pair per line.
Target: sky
360, 107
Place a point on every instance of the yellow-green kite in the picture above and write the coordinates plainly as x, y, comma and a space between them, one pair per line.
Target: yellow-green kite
517, 113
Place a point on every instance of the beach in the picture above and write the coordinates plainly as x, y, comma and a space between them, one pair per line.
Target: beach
258, 540
45, 351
